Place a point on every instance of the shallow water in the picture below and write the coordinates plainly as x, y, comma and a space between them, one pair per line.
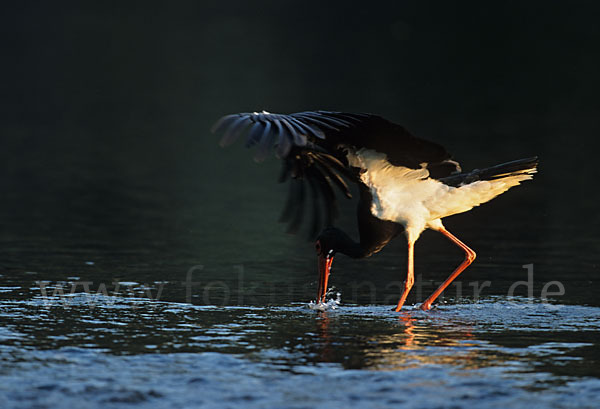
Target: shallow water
84, 351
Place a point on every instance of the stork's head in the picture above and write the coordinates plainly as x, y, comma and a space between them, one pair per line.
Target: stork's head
330, 241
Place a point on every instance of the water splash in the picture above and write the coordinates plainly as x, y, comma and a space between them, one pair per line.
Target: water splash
329, 304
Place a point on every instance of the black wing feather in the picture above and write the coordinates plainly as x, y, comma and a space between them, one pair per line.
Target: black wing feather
295, 135
265, 143
234, 130
330, 173
304, 130
254, 135
221, 123
312, 146
327, 194
317, 121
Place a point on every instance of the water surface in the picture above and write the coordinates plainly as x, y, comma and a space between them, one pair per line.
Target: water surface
142, 266
123, 351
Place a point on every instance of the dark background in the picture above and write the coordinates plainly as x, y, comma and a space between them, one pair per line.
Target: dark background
106, 157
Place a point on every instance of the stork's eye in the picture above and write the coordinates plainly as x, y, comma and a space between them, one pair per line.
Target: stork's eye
318, 246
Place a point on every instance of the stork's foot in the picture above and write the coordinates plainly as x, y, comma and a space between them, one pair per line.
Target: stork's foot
396, 308
407, 286
425, 306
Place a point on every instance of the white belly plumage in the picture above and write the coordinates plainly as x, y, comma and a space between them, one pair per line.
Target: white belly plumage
409, 197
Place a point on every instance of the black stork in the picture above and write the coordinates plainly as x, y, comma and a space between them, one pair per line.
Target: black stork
406, 184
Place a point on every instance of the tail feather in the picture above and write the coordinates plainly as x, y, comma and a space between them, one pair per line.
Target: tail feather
470, 189
526, 166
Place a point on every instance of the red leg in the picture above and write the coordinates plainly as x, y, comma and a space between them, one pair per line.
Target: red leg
410, 276
469, 257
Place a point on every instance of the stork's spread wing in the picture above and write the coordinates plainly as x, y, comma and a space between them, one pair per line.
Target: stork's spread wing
302, 129
303, 141
311, 145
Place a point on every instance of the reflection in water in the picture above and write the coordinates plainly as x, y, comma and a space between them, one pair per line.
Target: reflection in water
510, 341
408, 341
408, 321
466, 336
326, 354
420, 343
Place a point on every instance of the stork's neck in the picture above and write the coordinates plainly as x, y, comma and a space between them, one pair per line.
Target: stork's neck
342, 243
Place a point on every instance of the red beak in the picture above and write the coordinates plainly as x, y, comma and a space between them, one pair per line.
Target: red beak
325, 262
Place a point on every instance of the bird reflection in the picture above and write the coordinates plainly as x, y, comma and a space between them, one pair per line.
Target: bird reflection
408, 322
410, 341
326, 351
419, 343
